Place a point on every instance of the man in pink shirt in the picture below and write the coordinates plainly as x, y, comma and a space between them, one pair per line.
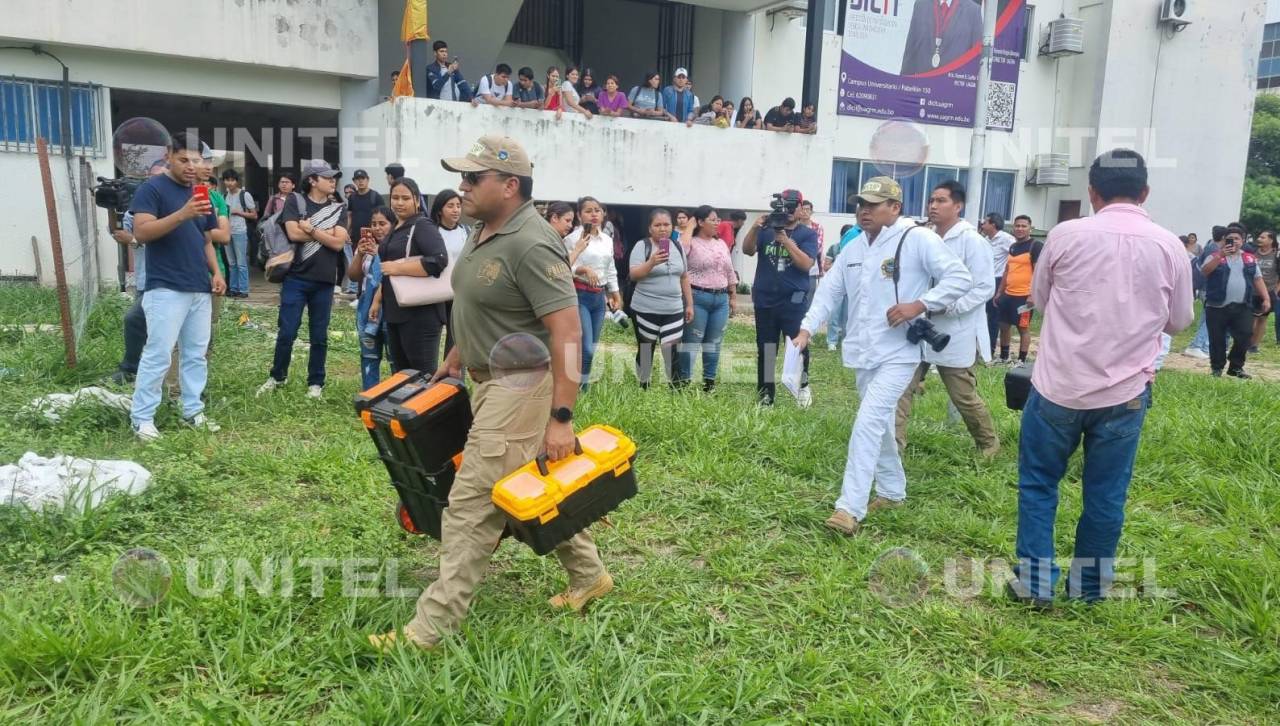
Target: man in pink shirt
1108, 286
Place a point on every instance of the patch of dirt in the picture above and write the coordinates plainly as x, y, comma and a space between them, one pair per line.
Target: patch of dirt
1260, 370
1160, 677
717, 614
1102, 712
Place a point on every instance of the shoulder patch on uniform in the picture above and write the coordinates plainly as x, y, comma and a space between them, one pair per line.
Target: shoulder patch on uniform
558, 271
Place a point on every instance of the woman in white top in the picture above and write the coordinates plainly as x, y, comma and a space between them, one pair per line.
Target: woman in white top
570, 94
446, 212
594, 276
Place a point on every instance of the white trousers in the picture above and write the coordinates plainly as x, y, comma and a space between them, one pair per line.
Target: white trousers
873, 451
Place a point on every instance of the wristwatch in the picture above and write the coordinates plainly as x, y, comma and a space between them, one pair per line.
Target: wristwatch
564, 414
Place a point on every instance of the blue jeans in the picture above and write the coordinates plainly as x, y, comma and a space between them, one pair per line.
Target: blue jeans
1050, 435
1201, 341
591, 312
238, 262
173, 318
371, 356
317, 298
704, 333
835, 325
135, 336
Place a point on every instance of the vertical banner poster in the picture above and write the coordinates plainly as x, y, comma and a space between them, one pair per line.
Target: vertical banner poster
918, 60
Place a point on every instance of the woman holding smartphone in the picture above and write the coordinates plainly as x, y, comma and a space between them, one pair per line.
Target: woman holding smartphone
413, 249
594, 277
555, 99
713, 281
366, 271
661, 301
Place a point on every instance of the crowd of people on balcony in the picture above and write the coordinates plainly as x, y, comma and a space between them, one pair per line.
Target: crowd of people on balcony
580, 91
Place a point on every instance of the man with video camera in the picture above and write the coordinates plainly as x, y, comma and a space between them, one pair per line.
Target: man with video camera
887, 275
781, 288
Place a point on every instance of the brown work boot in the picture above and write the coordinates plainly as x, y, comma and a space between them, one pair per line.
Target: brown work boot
577, 599
843, 522
883, 503
386, 642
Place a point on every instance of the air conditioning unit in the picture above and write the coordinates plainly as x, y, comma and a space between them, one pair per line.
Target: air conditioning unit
1175, 13
1049, 170
1065, 37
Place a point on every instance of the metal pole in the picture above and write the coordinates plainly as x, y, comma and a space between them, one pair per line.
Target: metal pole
813, 52
978, 143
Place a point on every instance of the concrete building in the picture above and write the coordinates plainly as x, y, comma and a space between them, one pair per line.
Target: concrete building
1269, 59
309, 79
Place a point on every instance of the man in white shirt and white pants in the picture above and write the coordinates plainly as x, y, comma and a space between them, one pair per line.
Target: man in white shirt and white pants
894, 261
965, 320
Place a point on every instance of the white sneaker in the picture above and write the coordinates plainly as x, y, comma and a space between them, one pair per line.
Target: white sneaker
804, 399
354, 303
271, 385
147, 432
831, 346
201, 422
315, 391
1196, 353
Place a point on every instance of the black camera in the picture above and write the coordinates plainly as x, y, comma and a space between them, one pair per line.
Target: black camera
115, 194
922, 329
783, 207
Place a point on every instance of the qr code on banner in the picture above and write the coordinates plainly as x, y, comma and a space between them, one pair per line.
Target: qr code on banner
1000, 104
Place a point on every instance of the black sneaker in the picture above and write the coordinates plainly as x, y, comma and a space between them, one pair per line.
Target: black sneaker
708, 385
1254, 349
1013, 591
120, 378
1216, 372
1239, 373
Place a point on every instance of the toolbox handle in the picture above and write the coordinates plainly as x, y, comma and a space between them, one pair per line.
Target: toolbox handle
542, 458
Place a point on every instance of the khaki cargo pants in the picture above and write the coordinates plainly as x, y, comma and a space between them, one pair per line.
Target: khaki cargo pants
962, 387
507, 432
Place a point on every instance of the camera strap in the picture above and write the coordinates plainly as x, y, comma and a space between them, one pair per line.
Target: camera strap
897, 261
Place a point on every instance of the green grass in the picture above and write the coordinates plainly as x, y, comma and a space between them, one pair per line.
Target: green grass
733, 602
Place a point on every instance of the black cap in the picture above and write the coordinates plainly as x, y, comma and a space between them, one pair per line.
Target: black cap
360, 174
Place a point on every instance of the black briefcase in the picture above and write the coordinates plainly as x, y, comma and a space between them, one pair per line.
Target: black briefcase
1017, 386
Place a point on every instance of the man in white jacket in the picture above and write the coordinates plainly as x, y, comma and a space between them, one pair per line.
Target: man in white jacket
886, 275
965, 320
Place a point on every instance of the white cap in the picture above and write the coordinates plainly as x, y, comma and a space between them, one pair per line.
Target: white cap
682, 72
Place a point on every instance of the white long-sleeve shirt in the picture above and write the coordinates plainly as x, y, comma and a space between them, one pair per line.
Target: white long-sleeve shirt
598, 256
965, 320
864, 272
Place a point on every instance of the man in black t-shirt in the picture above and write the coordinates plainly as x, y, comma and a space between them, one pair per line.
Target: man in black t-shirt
782, 118
318, 239
360, 206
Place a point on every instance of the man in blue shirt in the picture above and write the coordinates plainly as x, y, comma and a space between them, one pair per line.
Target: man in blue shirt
780, 293
678, 99
182, 278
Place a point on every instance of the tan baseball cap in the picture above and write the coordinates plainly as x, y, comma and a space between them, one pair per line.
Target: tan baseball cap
493, 153
880, 189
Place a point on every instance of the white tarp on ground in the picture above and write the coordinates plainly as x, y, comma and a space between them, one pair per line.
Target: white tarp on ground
53, 405
36, 482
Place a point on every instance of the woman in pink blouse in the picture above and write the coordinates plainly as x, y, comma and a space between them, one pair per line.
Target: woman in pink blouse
714, 283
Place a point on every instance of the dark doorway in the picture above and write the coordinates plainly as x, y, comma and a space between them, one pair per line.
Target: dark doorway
1068, 210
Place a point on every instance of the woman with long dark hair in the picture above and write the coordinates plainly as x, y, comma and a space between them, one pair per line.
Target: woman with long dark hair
446, 214
572, 99
366, 271
594, 277
714, 282
646, 98
747, 117
589, 91
413, 249
661, 301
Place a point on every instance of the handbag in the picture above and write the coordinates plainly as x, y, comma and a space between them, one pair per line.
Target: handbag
412, 292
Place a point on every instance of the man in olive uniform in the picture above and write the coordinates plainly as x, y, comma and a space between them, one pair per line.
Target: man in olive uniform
515, 312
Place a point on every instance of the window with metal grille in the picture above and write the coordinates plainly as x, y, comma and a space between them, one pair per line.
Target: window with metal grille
30, 108
550, 24
675, 39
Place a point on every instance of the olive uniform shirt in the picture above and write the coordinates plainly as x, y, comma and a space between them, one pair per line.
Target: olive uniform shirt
507, 285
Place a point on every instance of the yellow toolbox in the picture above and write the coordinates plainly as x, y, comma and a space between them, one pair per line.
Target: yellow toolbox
548, 503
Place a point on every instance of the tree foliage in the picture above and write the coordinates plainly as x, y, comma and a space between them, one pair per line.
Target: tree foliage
1260, 206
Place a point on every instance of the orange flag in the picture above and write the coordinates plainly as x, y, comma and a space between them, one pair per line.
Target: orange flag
414, 26
404, 83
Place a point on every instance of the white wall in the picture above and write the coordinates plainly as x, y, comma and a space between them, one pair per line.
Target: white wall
737, 49
327, 36
646, 163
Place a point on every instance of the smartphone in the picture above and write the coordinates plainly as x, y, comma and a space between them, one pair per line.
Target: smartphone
366, 233
664, 246
201, 193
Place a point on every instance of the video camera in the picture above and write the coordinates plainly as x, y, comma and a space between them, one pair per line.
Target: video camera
783, 207
115, 194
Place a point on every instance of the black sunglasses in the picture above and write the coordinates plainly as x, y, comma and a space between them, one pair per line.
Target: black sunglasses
473, 177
